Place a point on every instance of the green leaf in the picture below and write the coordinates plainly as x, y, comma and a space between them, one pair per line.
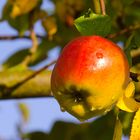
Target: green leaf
93, 24
129, 58
70, 131
15, 59
128, 47
24, 111
118, 130
126, 119
137, 39
37, 57
17, 13
102, 128
127, 2
17, 8
20, 23
38, 135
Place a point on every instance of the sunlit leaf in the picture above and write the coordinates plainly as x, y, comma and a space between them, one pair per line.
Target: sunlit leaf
17, 14
118, 130
22, 7
21, 23
14, 75
135, 130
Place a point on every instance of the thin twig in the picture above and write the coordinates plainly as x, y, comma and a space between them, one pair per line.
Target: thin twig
102, 5
128, 29
13, 37
33, 49
32, 75
27, 97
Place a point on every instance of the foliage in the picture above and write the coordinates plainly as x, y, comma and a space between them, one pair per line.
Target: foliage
120, 24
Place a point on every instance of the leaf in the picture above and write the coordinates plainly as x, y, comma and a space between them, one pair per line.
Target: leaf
38, 14
37, 57
37, 135
24, 111
17, 13
136, 69
21, 23
15, 59
102, 128
118, 130
93, 24
50, 25
37, 86
127, 102
22, 7
135, 130
128, 47
126, 120
137, 39
70, 131
127, 2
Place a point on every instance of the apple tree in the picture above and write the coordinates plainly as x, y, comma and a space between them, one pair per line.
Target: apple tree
96, 75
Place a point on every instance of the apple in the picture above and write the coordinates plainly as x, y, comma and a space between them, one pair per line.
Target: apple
90, 76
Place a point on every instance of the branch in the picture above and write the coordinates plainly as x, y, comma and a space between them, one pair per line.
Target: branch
24, 83
125, 30
33, 49
38, 86
13, 37
32, 75
102, 5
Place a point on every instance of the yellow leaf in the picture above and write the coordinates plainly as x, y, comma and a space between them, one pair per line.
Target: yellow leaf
118, 130
24, 111
127, 102
130, 90
21, 7
50, 25
135, 130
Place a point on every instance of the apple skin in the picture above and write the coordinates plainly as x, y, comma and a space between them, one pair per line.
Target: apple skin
90, 76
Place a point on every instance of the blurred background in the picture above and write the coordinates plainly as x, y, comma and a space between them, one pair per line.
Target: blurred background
52, 22
43, 113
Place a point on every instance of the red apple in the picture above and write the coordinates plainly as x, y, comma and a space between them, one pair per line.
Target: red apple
90, 76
